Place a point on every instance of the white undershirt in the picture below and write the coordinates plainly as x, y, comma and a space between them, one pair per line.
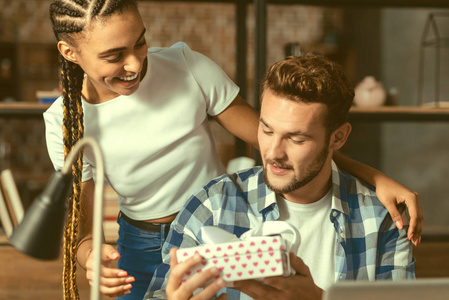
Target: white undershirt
317, 246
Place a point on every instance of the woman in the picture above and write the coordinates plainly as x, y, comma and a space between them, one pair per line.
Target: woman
148, 109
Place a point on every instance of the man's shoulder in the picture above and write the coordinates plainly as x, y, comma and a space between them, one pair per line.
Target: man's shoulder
360, 203
357, 193
229, 184
239, 178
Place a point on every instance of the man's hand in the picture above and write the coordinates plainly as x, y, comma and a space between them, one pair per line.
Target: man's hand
299, 286
177, 290
392, 193
113, 282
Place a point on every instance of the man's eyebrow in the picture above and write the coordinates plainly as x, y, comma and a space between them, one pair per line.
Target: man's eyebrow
109, 51
264, 123
293, 133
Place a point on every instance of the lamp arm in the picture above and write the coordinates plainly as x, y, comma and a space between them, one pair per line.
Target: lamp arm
97, 230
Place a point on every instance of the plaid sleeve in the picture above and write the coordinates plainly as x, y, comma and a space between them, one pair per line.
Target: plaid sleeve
395, 258
184, 233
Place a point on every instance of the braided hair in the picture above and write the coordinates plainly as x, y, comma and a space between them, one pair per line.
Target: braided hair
69, 18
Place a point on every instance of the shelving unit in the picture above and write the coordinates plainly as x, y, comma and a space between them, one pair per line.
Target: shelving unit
383, 113
399, 113
22, 109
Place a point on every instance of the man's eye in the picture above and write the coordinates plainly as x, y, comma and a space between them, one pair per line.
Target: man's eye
297, 142
267, 131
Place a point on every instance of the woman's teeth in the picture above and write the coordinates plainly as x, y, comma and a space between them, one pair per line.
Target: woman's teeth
129, 78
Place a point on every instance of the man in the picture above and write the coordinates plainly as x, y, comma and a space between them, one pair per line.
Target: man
346, 233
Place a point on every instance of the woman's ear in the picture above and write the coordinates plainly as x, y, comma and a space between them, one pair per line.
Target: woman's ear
68, 51
339, 136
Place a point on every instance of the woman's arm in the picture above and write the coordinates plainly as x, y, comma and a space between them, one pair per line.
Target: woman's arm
114, 282
240, 119
389, 192
85, 222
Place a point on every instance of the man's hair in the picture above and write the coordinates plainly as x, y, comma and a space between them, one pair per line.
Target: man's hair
313, 79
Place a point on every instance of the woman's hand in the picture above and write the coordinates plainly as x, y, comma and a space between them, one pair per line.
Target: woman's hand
113, 282
392, 193
179, 290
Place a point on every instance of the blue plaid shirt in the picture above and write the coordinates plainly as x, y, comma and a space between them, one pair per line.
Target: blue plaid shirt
369, 246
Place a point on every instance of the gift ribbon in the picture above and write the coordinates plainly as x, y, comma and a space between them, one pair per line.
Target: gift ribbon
216, 235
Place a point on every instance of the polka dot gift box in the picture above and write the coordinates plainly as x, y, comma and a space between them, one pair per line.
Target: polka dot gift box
259, 253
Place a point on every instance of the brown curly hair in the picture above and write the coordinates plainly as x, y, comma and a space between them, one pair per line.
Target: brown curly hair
313, 78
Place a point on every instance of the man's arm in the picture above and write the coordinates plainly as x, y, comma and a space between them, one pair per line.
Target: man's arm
299, 286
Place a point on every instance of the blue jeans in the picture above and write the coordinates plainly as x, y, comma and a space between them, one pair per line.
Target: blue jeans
140, 255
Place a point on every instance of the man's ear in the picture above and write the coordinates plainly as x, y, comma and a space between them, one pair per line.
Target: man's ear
339, 136
68, 51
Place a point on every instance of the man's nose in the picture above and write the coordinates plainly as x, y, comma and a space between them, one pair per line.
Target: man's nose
276, 150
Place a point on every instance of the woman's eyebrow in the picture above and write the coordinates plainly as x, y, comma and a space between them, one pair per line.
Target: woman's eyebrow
109, 51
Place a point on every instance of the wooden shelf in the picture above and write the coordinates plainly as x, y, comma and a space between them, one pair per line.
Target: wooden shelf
22, 109
399, 113
385, 113
373, 3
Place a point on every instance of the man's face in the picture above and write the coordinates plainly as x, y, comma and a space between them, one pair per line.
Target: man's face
293, 143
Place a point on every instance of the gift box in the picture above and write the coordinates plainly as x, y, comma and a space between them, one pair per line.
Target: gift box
250, 257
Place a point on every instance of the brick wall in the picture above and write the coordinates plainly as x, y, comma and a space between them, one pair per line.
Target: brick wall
208, 28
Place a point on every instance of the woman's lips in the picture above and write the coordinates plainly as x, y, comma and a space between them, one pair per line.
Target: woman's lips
128, 81
129, 78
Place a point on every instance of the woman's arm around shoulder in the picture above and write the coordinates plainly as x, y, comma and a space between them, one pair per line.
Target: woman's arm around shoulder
240, 119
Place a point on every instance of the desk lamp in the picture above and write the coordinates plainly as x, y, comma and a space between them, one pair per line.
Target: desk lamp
40, 232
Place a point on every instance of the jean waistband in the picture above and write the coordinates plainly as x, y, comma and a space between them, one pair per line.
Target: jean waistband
142, 225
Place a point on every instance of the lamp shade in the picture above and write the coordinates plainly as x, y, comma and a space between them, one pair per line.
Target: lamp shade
40, 232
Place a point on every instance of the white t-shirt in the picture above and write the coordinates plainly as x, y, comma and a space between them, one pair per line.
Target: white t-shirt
317, 245
157, 145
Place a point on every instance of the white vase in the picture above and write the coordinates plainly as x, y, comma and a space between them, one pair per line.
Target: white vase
369, 92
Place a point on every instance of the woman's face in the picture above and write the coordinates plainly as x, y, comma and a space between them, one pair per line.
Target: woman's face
111, 52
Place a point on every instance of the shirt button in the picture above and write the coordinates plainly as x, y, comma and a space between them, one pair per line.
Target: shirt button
334, 214
342, 234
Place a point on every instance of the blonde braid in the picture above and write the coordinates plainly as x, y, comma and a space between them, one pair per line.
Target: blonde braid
69, 17
66, 131
72, 76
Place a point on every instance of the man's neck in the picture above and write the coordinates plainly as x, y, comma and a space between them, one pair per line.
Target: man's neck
315, 189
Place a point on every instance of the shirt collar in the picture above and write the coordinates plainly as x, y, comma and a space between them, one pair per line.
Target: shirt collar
339, 193
266, 197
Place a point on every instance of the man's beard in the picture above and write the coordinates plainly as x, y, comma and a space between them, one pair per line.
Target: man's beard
311, 172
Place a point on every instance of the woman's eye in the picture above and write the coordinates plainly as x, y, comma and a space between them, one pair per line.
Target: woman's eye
115, 59
141, 44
